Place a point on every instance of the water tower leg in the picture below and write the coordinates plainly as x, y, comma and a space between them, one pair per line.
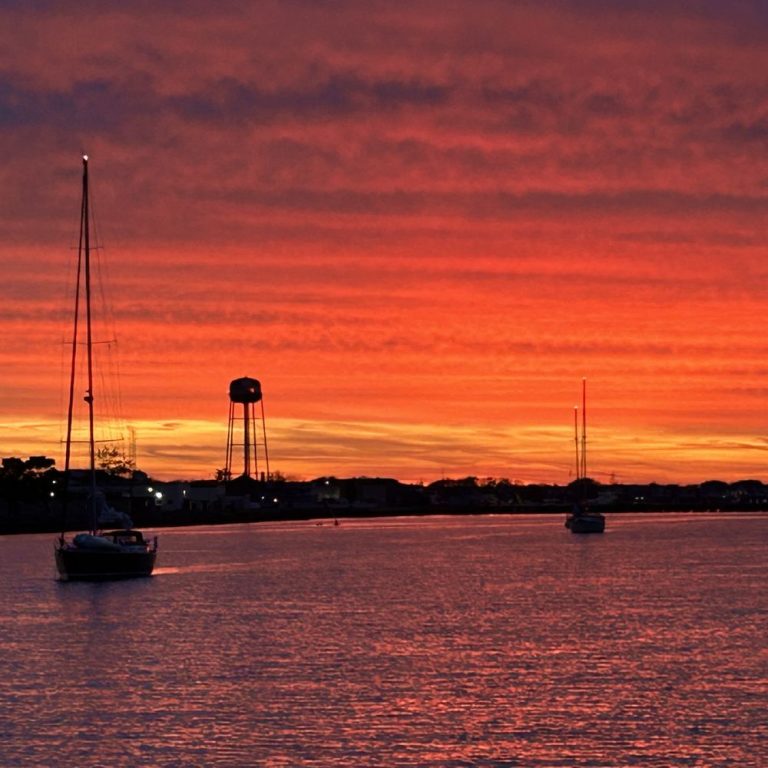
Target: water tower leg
246, 440
230, 437
264, 432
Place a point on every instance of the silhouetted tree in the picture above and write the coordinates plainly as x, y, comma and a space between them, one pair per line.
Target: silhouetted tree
584, 488
114, 461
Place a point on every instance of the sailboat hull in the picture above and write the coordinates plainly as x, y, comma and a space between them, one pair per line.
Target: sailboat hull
93, 565
586, 523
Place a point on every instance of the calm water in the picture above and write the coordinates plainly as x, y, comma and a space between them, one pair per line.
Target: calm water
488, 641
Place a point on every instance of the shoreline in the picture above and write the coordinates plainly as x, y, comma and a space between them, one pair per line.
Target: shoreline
232, 517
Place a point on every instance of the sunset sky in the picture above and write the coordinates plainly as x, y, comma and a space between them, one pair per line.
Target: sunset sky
418, 224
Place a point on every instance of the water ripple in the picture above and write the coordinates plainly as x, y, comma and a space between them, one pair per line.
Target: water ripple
482, 641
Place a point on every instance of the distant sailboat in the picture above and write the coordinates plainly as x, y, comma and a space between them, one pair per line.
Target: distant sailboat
94, 555
581, 519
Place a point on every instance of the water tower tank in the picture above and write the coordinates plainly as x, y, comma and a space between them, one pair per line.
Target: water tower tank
245, 390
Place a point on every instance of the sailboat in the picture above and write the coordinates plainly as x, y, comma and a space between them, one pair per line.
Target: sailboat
582, 519
94, 555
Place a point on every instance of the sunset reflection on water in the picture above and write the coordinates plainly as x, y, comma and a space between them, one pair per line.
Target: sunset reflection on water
481, 641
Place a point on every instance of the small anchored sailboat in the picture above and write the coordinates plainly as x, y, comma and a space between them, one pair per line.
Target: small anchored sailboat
581, 519
95, 555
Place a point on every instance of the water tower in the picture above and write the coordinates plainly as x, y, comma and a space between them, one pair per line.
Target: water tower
242, 430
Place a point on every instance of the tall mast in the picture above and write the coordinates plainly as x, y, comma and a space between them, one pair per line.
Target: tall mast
73, 362
584, 428
576, 440
89, 340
